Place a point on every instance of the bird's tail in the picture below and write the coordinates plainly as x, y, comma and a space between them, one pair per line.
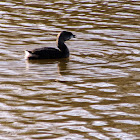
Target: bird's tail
28, 54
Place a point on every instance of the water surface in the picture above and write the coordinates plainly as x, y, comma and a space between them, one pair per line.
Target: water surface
94, 94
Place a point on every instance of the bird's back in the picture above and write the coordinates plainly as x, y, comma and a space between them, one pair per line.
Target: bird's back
44, 53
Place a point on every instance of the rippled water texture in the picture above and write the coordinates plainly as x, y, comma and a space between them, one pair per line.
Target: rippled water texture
93, 95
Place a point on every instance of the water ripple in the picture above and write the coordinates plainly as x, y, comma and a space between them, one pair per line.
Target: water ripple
94, 94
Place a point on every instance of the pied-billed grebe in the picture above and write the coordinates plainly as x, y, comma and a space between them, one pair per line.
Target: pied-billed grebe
52, 53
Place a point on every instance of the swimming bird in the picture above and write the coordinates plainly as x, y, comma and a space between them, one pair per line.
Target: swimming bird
52, 53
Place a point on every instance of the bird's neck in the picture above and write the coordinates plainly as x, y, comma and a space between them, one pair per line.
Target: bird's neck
63, 48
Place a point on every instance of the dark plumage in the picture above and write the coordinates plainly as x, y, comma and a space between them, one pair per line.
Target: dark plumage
52, 53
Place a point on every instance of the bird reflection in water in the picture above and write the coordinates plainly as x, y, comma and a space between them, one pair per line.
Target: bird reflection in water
62, 66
